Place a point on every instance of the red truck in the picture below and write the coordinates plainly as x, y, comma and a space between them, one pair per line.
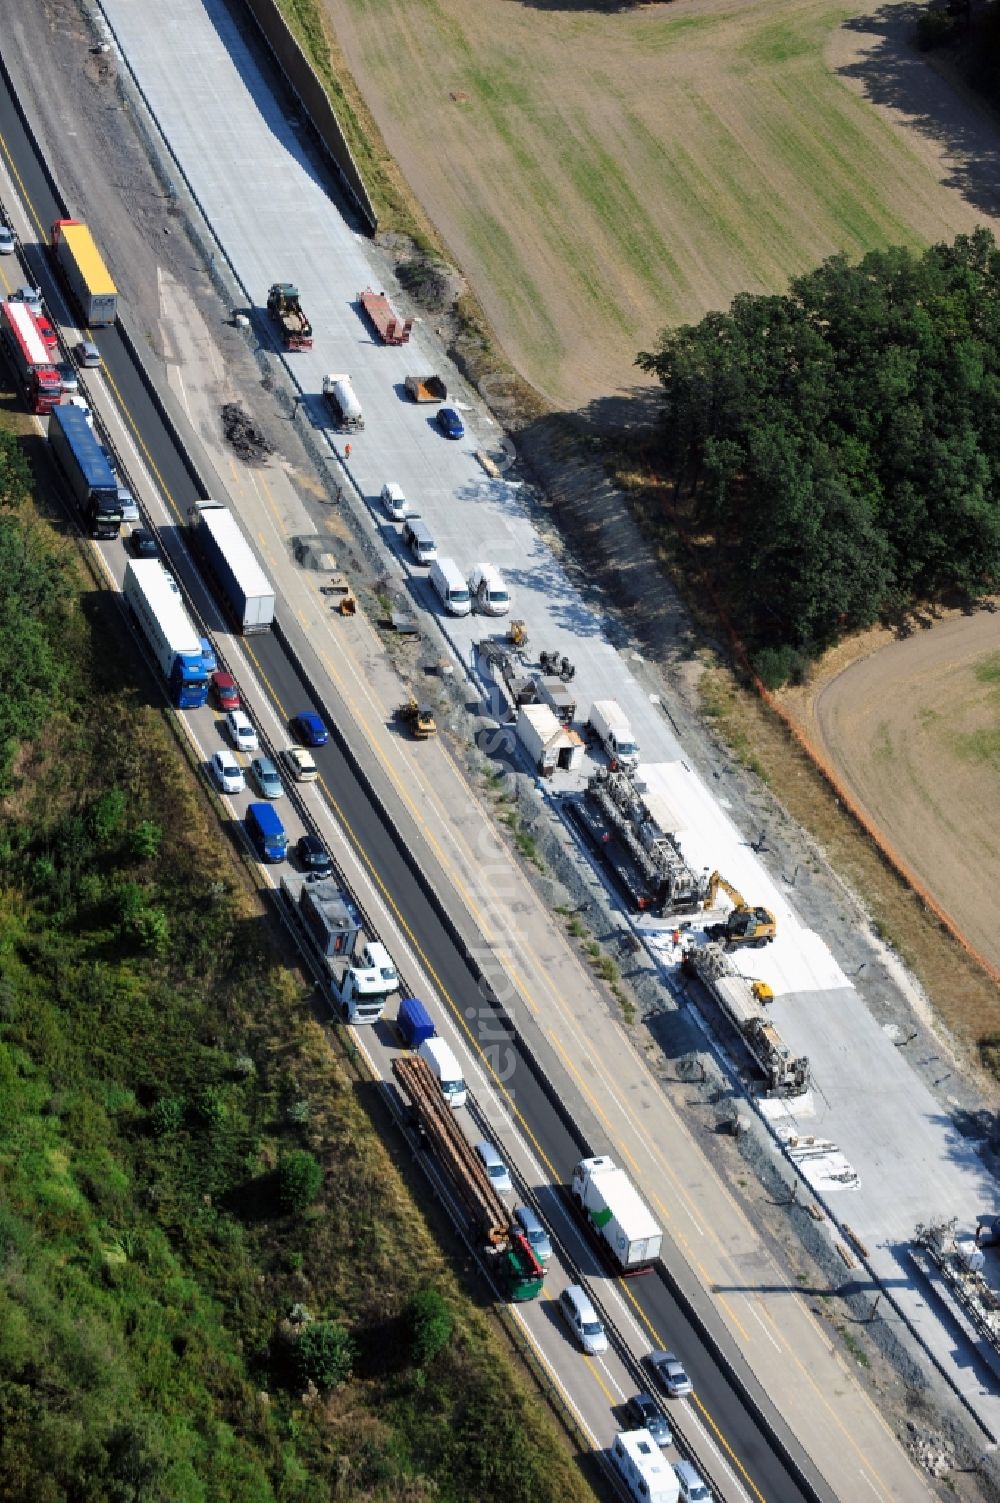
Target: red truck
27, 352
388, 325
284, 307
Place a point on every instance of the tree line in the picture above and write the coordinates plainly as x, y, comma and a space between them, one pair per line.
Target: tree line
840, 445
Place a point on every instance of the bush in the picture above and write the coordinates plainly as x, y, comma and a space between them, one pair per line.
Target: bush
106, 815
429, 1324
300, 1178
145, 840
934, 28
775, 666
167, 1116
323, 1354
212, 1110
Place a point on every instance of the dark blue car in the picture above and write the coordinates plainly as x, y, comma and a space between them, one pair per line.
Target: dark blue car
309, 729
450, 423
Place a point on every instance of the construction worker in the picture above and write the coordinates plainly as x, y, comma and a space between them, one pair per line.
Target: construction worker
347, 451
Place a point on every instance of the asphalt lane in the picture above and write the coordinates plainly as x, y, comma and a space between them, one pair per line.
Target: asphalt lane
655, 1303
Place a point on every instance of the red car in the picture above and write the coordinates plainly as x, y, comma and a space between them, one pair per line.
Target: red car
45, 329
224, 691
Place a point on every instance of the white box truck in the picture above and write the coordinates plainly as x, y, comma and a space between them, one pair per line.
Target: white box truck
228, 559
617, 1214
608, 722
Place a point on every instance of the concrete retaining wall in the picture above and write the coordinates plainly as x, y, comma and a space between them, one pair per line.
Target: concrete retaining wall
308, 89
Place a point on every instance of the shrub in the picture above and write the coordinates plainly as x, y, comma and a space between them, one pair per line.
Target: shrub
323, 1354
167, 1116
429, 1325
145, 840
300, 1178
212, 1110
106, 815
152, 930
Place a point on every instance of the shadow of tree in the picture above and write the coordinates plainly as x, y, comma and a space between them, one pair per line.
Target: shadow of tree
892, 73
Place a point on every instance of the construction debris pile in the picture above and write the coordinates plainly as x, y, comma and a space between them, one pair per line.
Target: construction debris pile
246, 437
960, 1262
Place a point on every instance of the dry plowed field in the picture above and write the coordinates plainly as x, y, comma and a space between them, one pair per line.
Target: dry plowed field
913, 731
598, 175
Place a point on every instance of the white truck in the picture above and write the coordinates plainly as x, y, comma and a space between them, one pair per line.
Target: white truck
617, 1214
607, 721
358, 974
228, 559
154, 600
343, 403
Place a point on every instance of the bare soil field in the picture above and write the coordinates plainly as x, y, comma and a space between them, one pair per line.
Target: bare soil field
598, 175
912, 728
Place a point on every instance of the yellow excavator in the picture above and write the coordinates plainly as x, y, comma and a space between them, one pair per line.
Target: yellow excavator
745, 924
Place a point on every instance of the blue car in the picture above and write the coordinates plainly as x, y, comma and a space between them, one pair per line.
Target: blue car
450, 423
309, 729
208, 659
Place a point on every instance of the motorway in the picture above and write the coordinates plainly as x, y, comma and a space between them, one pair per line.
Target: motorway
646, 1310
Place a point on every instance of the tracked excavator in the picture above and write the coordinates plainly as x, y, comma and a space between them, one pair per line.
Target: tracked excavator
745, 924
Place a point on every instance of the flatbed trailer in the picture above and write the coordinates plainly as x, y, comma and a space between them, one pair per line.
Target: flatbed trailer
388, 325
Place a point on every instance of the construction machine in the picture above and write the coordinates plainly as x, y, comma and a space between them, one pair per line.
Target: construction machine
284, 307
745, 924
419, 718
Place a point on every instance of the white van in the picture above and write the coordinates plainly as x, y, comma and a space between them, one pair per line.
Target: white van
581, 1317
446, 577
417, 537
490, 595
446, 1070
394, 501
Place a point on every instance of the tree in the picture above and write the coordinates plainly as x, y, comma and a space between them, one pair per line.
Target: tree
840, 446
15, 472
300, 1178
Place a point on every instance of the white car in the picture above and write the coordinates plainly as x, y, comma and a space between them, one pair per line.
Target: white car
395, 503
77, 401
227, 772
300, 764
241, 732
8, 242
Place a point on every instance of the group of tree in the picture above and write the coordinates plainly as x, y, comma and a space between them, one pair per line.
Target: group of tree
840, 446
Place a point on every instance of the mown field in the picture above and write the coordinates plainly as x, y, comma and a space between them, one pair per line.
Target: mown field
215, 1285
599, 175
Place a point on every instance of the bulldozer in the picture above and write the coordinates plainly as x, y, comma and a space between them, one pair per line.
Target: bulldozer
419, 718
745, 924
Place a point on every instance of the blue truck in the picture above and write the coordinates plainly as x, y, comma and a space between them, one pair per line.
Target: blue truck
267, 833
413, 1023
85, 465
154, 599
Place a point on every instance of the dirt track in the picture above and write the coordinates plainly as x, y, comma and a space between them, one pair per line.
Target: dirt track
913, 730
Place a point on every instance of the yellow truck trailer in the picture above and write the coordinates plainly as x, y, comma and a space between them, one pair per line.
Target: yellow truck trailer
85, 273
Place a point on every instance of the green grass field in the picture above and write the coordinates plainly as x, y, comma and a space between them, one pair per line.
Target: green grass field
598, 175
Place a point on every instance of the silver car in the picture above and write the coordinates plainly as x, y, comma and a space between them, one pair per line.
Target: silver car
267, 777
495, 1167
67, 377
535, 1232
128, 504
87, 354
670, 1374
